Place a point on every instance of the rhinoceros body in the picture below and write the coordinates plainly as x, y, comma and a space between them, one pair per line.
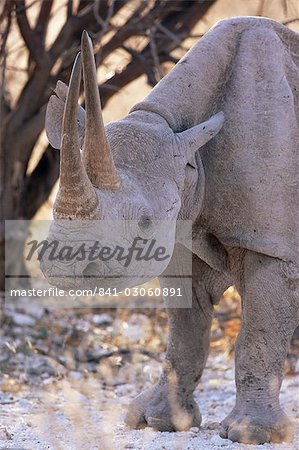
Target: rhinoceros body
249, 69
241, 192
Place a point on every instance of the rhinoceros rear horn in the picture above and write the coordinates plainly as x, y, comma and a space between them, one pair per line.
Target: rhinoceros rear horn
97, 155
76, 197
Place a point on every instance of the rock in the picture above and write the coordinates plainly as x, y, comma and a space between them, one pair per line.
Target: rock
217, 440
35, 311
74, 375
138, 328
23, 320
4, 356
25, 405
48, 381
101, 319
43, 365
124, 389
6, 398
5, 435
194, 429
211, 425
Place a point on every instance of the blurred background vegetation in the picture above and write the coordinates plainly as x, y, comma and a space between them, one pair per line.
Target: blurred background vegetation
136, 43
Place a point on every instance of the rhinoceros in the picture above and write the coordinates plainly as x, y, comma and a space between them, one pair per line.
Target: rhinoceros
216, 142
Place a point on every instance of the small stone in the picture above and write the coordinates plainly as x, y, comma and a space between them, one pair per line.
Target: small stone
35, 311
217, 440
43, 366
25, 405
130, 445
212, 425
23, 320
101, 319
124, 389
4, 357
6, 398
5, 435
194, 429
138, 328
75, 375
48, 381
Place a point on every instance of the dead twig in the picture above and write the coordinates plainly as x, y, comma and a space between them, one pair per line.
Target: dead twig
154, 52
30, 36
103, 22
288, 21
147, 67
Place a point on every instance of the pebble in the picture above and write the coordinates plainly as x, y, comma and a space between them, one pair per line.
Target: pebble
23, 320
25, 405
217, 440
124, 389
4, 357
212, 425
43, 366
101, 319
75, 375
35, 311
194, 429
6, 398
5, 435
138, 328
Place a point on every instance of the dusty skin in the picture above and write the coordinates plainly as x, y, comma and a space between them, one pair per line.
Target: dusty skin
235, 94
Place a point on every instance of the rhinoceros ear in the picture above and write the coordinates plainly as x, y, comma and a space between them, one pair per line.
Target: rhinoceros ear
197, 136
54, 116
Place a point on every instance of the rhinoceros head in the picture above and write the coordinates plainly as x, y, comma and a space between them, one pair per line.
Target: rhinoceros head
123, 188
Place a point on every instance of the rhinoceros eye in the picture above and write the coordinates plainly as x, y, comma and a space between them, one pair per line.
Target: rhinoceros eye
145, 224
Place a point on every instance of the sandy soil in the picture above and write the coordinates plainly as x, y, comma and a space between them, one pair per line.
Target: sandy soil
80, 413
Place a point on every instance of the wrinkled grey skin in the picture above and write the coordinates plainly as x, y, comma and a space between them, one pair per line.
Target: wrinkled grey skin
241, 191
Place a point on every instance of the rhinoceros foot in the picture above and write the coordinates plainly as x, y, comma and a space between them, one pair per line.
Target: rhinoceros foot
257, 427
160, 408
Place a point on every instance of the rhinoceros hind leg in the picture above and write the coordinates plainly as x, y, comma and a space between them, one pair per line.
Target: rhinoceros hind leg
270, 290
257, 427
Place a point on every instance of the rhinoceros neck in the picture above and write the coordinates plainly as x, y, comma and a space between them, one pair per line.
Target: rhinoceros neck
192, 91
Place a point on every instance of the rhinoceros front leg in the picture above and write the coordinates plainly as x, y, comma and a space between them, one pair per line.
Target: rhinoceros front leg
269, 290
169, 405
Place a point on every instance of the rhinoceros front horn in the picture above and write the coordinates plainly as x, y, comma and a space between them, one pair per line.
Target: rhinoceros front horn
97, 155
76, 196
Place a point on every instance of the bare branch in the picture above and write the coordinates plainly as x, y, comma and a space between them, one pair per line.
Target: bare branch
35, 193
69, 8
104, 23
260, 11
31, 38
5, 16
147, 67
289, 21
285, 7
154, 53
168, 33
43, 19
181, 25
70, 33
